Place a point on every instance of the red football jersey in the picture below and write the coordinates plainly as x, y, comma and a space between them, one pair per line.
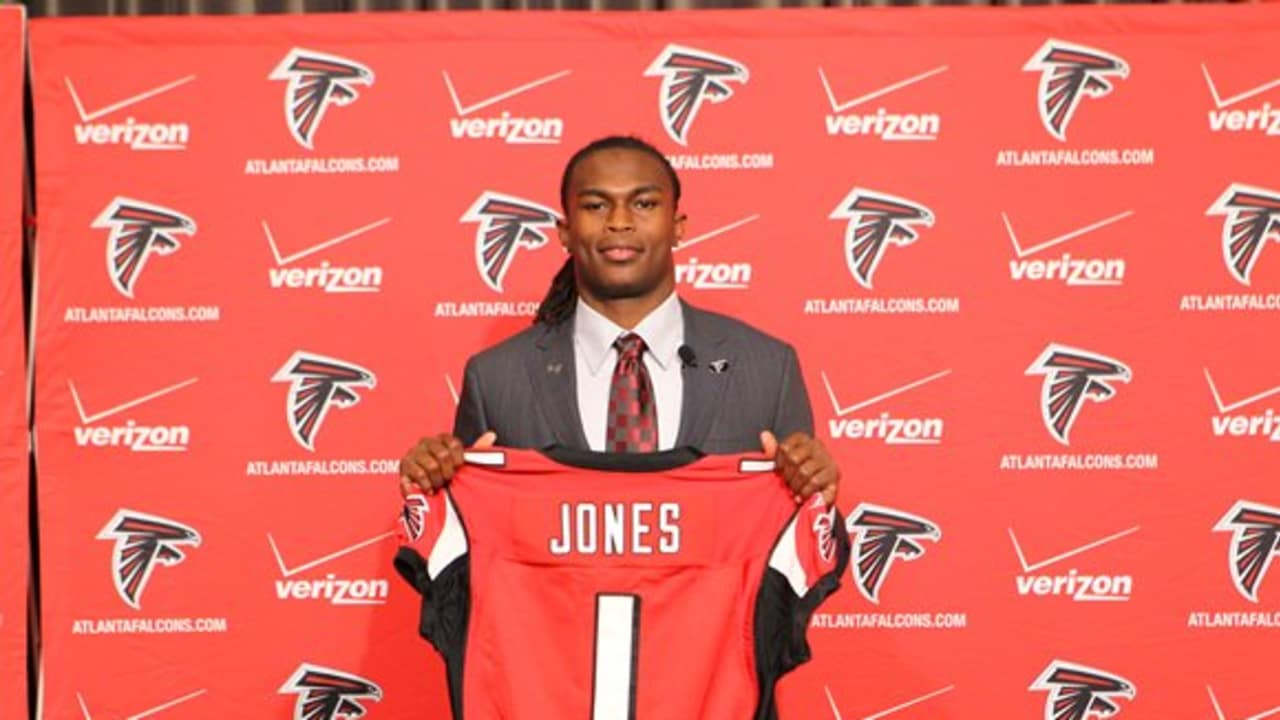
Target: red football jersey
659, 586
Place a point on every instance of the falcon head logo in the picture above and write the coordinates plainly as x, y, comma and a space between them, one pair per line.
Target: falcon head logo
1069, 72
690, 76
317, 383
143, 541
1072, 376
316, 81
875, 221
880, 535
506, 223
1255, 541
1077, 692
413, 517
138, 229
1253, 217
328, 694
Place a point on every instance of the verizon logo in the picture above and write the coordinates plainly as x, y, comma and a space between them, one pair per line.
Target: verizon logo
331, 588
714, 276
132, 133
1073, 584
1071, 271
887, 428
1263, 119
880, 123
512, 129
1228, 423
131, 435
323, 276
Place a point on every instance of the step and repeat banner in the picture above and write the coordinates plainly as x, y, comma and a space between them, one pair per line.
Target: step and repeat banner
1028, 259
14, 458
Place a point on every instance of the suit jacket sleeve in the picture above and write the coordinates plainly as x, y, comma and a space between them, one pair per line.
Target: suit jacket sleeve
470, 422
794, 412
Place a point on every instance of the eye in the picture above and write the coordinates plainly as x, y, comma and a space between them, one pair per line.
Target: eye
646, 203
592, 205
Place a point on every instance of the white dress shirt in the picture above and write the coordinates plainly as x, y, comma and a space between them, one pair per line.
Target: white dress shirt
595, 357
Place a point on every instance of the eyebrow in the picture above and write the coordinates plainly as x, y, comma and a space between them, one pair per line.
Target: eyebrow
651, 187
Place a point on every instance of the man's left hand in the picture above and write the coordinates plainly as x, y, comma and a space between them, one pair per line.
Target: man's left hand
804, 463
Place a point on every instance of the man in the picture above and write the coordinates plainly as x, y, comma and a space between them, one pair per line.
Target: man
615, 361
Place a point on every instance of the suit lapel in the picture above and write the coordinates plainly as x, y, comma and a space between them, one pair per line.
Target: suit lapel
703, 390
552, 375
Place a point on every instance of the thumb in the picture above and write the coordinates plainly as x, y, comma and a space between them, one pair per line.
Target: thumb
768, 444
486, 440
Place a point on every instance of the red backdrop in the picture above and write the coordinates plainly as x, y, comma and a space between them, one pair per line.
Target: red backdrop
1026, 257
14, 548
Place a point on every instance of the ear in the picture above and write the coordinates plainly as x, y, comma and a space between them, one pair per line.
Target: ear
562, 233
677, 229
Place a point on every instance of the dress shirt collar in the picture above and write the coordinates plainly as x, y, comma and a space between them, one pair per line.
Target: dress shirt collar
662, 331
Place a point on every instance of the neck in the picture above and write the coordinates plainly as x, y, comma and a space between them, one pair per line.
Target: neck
626, 312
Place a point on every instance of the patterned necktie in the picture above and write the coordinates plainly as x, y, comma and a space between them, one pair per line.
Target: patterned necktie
633, 421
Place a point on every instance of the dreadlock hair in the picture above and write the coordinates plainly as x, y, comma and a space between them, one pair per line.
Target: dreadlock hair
562, 296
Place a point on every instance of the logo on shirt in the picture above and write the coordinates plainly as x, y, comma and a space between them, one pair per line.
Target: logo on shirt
1252, 217
317, 383
1073, 376
1068, 74
879, 536
1079, 692
328, 694
142, 542
138, 230
690, 76
1255, 541
316, 81
506, 223
875, 221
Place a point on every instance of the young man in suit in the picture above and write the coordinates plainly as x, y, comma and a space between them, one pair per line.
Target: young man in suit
616, 361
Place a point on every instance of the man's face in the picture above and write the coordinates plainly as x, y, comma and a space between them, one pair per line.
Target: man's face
621, 225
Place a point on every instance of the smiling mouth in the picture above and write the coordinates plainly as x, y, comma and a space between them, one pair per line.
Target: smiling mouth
620, 253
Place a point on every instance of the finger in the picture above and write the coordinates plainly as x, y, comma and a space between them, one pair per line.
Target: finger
407, 486
455, 449
486, 440
829, 493
817, 476
797, 453
768, 444
444, 458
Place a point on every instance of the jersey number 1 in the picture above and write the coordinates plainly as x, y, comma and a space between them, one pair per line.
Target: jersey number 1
617, 642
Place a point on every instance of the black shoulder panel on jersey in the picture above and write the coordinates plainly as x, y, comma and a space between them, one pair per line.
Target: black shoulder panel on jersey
782, 620
623, 462
446, 609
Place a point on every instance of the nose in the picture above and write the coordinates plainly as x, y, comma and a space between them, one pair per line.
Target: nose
620, 219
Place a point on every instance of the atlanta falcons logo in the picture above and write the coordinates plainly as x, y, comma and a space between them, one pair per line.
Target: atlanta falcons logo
1077, 692
1071, 377
138, 229
1069, 72
506, 223
690, 76
413, 516
1255, 542
879, 536
1253, 216
875, 221
316, 384
316, 80
328, 694
141, 542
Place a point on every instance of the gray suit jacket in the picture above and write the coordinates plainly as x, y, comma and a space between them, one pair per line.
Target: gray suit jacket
524, 388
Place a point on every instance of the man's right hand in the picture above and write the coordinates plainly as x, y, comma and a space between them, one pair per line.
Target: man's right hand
432, 462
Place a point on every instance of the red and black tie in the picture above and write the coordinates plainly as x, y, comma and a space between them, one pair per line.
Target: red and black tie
633, 421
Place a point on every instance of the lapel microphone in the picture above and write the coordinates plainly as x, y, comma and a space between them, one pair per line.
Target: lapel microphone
687, 358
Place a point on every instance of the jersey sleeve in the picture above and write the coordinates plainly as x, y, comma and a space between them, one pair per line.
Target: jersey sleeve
804, 569
433, 558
